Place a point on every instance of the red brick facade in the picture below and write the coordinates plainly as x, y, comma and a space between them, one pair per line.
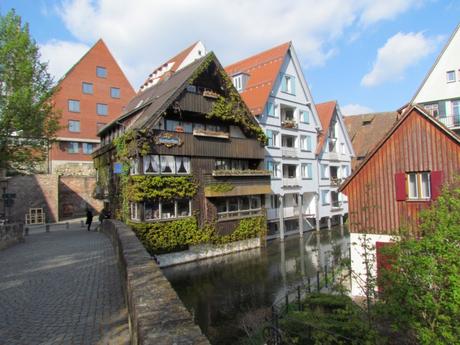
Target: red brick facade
71, 88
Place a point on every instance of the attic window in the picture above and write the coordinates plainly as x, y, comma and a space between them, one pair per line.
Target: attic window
239, 81
360, 158
367, 122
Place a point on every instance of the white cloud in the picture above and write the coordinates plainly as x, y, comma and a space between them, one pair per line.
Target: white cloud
355, 109
144, 33
61, 55
377, 10
399, 53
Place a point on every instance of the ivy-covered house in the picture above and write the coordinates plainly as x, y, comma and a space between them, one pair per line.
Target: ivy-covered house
184, 163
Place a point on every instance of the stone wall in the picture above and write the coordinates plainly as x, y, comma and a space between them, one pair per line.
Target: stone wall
10, 234
61, 197
156, 314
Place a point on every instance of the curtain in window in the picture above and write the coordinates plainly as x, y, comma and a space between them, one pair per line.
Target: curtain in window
151, 164
167, 164
183, 165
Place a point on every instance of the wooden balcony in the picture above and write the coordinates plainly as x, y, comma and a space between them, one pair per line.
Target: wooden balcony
223, 186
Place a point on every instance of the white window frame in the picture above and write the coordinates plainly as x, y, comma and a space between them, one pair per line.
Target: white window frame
75, 107
74, 126
418, 178
306, 170
134, 211
73, 144
325, 197
85, 148
302, 116
450, 74
238, 82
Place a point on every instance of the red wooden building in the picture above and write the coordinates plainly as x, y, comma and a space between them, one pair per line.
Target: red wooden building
401, 176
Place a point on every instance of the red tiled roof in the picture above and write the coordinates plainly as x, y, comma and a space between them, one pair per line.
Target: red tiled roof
325, 112
177, 60
263, 69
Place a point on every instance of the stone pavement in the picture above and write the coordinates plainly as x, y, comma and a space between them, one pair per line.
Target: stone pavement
62, 287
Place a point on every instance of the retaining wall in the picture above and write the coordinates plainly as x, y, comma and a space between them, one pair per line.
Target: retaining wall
156, 314
11, 234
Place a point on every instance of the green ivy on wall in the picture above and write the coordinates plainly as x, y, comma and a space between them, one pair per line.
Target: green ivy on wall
144, 187
221, 187
164, 237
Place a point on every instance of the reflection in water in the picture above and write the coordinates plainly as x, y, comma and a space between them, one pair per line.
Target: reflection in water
232, 293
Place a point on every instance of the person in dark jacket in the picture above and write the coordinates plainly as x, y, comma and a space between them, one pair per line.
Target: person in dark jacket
89, 218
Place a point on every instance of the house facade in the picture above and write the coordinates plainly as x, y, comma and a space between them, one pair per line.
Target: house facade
190, 156
274, 88
400, 177
439, 92
334, 153
89, 96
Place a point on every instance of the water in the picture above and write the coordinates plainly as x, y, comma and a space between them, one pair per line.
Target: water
230, 294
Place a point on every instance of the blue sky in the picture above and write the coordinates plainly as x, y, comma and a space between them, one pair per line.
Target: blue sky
370, 55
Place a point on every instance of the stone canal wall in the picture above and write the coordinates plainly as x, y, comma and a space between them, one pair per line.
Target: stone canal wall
156, 314
11, 234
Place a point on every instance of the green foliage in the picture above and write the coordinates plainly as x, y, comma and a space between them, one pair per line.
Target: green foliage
25, 108
221, 187
422, 289
327, 319
167, 236
145, 187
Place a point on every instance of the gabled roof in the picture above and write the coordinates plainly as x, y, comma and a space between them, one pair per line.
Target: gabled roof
263, 69
172, 65
366, 130
457, 30
421, 111
325, 113
148, 106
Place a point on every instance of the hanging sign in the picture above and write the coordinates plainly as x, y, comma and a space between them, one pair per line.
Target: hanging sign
168, 140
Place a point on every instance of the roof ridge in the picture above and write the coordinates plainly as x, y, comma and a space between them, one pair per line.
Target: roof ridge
260, 53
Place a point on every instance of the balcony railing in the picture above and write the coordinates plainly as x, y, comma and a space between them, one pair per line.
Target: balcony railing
289, 152
336, 206
245, 172
213, 134
240, 214
450, 121
289, 124
291, 182
290, 211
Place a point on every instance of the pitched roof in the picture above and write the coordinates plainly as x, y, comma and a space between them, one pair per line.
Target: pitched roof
422, 112
172, 65
325, 113
366, 130
263, 69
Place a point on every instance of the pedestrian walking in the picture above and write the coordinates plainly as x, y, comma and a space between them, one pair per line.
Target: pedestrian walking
89, 218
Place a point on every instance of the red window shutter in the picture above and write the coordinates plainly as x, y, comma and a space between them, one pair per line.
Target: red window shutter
436, 183
400, 184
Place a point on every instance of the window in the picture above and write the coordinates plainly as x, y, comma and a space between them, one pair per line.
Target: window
115, 92
87, 148
274, 201
134, 166
74, 106
179, 126
271, 109
342, 148
74, 126
324, 171
102, 109
167, 164
87, 88
305, 116
345, 171
101, 72
272, 138
273, 167
151, 210
418, 185
238, 82
325, 197
456, 108
450, 76
134, 211
235, 207
307, 170
152, 164
305, 143
288, 84
432, 109
183, 165
183, 208
168, 209
72, 147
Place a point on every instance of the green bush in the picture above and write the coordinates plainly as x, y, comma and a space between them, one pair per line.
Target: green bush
144, 187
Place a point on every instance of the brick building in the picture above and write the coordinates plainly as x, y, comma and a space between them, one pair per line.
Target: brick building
90, 95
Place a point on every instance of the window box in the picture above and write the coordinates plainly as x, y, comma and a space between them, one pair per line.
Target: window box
207, 133
289, 124
210, 94
245, 172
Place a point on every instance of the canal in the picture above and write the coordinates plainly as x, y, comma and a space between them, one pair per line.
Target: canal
232, 294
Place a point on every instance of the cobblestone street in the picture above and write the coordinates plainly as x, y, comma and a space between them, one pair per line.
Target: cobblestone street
61, 287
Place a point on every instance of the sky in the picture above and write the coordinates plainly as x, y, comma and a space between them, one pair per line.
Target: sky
369, 55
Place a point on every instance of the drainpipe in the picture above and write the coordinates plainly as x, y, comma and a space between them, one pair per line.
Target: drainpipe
300, 203
281, 216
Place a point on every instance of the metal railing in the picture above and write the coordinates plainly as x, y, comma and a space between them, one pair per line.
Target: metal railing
450, 121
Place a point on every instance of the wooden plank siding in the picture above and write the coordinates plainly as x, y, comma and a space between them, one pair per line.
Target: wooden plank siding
416, 145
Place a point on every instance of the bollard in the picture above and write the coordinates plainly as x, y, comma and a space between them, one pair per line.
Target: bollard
26, 231
67, 225
82, 224
317, 281
47, 227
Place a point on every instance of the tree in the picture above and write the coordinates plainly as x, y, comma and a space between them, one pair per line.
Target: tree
421, 292
27, 118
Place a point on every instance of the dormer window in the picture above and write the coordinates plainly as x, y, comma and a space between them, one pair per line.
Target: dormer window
239, 81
